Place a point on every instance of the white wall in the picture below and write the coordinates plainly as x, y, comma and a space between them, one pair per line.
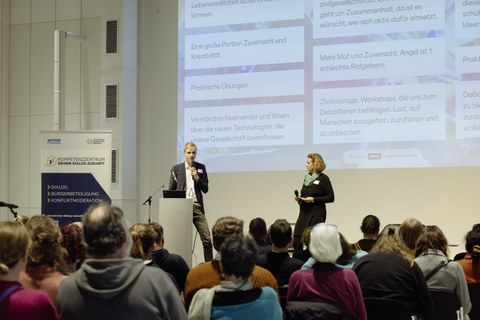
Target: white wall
442, 196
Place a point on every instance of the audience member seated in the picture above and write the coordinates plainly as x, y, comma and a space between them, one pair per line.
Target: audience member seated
305, 254
325, 282
471, 262
409, 232
209, 274
110, 284
346, 260
143, 241
72, 241
461, 255
440, 272
17, 303
235, 297
169, 262
389, 272
46, 257
370, 228
258, 231
278, 261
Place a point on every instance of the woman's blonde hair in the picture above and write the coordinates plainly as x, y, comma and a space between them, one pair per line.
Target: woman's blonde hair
14, 243
318, 163
392, 243
143, 239
46, 249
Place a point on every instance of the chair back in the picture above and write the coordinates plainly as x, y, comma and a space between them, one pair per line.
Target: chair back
307, 310
446, 306
282, 291
381, 309
474, 290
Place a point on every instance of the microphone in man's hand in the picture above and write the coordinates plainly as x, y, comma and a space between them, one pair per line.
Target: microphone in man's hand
174, 176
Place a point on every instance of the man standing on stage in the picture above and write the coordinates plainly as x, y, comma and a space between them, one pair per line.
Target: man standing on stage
192, 177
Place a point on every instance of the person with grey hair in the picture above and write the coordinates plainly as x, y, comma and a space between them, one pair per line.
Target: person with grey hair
325, 282
110, 284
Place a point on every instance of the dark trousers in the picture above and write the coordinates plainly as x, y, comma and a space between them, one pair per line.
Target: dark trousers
200, 222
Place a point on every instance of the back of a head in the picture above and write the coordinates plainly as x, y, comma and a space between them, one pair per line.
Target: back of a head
225, 227
72, 235
409, 232
143, 239
280, 233
325, 243
391, 244
370, 225
306, 236
157, 227
347, 251
472, 244
14, 243
238, 256
258, 228
104, 230
476, 227
431, 238
46, 248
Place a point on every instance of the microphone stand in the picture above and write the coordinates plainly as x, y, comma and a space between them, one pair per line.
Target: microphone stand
149, 200
14, 213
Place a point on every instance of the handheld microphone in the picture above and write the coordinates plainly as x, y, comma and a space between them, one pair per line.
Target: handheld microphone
8, 205
296, 195
173, 175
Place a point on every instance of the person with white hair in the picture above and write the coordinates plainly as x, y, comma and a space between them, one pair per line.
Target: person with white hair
325, 282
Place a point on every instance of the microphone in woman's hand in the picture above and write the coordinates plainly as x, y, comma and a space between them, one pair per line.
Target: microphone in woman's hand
296, 195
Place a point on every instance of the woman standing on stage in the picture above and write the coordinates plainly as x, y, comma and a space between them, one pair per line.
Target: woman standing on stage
316, 192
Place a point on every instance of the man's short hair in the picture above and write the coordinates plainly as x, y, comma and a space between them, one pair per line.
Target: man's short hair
280, 233
225, 227
190, 145
257, 228
370, 225
104, 231
238, 255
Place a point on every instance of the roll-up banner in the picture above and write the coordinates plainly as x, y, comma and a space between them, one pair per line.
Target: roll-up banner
76, 172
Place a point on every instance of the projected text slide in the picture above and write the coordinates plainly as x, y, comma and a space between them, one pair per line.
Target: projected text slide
372, 114
349, 18
254, 125
366, 83
379, 59
468, 110
281, 45
244, 85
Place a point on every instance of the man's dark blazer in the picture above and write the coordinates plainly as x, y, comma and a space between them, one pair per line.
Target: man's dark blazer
180, 183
